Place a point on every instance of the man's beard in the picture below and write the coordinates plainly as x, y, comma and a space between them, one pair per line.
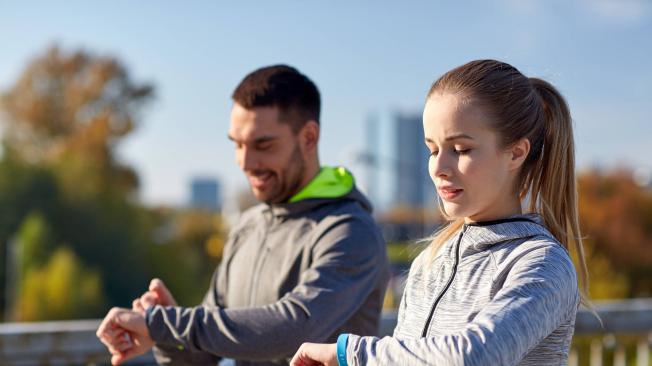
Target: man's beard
293, 175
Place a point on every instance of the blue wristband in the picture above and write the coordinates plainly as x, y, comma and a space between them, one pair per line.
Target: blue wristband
342, 340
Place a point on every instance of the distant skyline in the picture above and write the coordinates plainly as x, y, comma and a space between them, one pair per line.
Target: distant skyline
367, 58
413, 187
205, 193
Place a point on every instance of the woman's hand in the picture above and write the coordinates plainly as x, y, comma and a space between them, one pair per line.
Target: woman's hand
313, 354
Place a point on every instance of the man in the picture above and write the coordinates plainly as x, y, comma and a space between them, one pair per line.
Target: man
306, 265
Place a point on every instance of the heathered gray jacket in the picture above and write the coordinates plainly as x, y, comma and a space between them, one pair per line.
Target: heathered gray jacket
290, 273
498, 293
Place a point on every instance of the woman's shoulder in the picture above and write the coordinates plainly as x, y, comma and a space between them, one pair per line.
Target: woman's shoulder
542, 259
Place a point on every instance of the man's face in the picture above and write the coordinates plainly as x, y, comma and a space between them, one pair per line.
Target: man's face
268, 152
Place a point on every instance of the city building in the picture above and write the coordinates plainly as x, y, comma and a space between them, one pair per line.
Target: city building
413, 186
205, 193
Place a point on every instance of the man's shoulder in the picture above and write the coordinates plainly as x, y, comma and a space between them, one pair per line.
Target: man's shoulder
347, 218
342, 206
250, 216
324, 214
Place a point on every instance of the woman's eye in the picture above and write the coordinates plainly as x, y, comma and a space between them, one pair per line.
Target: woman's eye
462, 151
433, 153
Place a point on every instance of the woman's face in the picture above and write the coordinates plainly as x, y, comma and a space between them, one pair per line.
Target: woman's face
474, 177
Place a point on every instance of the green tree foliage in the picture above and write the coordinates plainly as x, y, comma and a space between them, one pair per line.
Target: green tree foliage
62, 289
194, 243
63, 120
61, 182
36, 242
24, 189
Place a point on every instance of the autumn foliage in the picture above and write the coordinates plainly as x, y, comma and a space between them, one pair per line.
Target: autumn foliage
616, 219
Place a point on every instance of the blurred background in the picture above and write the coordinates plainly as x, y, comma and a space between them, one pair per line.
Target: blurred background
115, 166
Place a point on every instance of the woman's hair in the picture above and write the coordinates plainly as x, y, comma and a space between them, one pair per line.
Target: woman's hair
520, 107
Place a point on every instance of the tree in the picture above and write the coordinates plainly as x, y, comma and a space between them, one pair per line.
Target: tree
193, 246
63, 119
63, 289
616, 218
72, 110
36, 241
87, 243
24, 190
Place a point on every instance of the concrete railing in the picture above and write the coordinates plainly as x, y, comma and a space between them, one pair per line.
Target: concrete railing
74, 342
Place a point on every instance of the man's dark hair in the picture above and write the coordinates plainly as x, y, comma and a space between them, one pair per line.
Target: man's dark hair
282, 86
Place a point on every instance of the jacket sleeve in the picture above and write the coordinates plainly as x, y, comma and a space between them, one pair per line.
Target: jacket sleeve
348, 261
539, 294
179, 355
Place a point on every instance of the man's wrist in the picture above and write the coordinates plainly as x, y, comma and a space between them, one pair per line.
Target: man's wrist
157, 336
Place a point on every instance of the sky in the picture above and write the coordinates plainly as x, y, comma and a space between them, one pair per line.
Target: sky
368, 58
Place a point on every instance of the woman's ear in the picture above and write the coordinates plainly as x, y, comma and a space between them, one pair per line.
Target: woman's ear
518, 152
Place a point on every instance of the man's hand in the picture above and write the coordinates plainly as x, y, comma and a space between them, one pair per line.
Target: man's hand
315, 354
157, 294
125, 334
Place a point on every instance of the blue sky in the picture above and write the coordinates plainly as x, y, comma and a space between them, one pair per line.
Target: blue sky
367, 57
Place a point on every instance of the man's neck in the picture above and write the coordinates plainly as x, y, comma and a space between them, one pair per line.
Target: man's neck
312, 169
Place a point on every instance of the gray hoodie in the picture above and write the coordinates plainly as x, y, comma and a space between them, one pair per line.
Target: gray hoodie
497, 293
291, 273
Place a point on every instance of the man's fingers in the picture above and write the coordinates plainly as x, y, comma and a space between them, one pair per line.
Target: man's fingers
132, 321
124, 345
121, 357
120, 347
164, 295
117, 344
156, 283
116, 340
118, 358
123, 332
149, 298
137, 306
108, 323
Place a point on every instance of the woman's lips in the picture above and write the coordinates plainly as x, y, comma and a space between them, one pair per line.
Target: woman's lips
449, 193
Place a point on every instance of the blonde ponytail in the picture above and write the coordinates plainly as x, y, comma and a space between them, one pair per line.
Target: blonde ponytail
552, 184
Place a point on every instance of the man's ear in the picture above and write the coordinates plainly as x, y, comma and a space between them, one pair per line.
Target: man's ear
518, 152
309, 136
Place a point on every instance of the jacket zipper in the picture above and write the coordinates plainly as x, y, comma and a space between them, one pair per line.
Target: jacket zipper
258, 264
448, 284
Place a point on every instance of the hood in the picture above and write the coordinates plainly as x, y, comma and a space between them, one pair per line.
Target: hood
330, 184
483, 234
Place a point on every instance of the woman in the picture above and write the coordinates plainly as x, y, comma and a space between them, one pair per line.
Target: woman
496, 286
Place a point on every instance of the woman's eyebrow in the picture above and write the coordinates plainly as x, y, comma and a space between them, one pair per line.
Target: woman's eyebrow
458, 136
452, 137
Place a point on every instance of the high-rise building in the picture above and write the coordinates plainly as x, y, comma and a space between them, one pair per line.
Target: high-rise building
413, 186
205, 193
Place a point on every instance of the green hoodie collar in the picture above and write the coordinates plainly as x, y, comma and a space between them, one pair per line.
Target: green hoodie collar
330, 182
